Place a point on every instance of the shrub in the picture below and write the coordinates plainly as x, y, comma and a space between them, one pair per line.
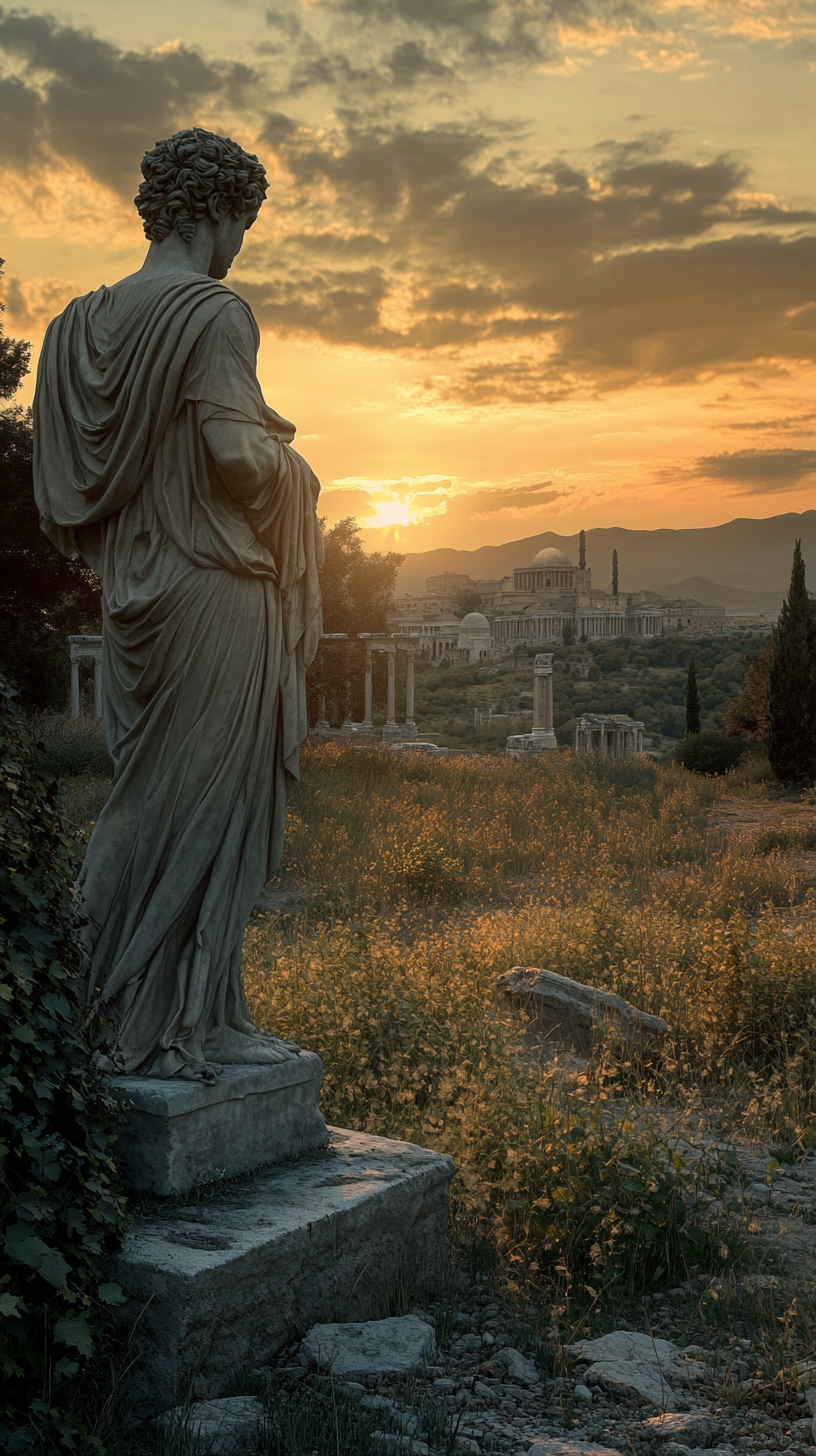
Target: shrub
62, 1210
710, 754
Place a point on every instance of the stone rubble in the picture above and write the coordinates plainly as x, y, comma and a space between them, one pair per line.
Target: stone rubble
220, 1427
373, 1347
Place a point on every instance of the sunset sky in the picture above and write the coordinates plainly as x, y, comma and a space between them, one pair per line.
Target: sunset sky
523, 266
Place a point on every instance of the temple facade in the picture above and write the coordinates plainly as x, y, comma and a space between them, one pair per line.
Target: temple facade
553, 601
550, 600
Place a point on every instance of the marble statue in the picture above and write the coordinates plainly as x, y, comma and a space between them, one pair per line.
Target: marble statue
158, 460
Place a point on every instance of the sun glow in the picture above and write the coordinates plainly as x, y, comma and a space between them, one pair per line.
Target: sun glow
389, 513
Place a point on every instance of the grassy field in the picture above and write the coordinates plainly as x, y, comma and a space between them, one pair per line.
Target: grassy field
421, 882
409, 887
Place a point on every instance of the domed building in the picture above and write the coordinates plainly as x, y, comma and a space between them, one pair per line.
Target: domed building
553, 601
475, 638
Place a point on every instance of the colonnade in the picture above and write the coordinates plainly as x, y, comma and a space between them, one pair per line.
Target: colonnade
82, 648
378, 642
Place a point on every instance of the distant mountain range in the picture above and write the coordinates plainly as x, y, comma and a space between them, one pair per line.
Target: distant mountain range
744, 564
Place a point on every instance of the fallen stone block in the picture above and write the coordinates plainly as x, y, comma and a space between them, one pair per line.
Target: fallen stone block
567, 1015
234, 1277
374, 1347
219, 1427
518, 1367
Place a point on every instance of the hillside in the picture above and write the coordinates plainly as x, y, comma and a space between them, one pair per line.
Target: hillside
752, 555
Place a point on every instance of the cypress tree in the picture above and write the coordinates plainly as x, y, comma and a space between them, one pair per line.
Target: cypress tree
692, 700
791, 728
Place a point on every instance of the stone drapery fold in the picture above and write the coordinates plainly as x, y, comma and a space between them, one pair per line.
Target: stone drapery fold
158, 460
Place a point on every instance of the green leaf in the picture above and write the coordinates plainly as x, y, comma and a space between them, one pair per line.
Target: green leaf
27, 1249
73, 1330
8, 1306
111, 1294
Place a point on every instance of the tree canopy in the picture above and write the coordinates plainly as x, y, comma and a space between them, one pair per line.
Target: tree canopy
43, 596
358, 591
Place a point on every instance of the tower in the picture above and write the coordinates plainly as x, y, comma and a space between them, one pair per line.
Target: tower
614, 573
582, 551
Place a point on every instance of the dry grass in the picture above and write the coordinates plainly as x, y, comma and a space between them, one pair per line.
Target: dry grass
433, 878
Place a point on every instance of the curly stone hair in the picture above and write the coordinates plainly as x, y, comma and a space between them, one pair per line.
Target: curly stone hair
183, 173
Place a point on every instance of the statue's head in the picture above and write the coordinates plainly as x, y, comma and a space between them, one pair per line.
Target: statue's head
196, 174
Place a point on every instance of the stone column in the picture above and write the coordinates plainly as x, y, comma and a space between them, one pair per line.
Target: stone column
74, 688
322, 725
98, 685
410, 725
367, 719
542, 735
391, 730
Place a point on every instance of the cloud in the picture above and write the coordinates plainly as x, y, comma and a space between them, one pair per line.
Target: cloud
533, 278
362, 49
32, 304
71, 95
803, 424
760, 472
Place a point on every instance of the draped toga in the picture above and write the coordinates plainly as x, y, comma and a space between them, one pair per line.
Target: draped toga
157, 459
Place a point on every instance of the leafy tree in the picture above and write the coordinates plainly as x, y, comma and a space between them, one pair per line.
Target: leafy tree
747, 713
692, 700
791, 682
43, 596
568, 635
467, 600
61, 1210
711, 753
358, 591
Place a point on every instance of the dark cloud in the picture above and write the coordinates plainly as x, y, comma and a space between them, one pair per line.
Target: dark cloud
786, 425
605, 277
759, 471
83, 99
481, 503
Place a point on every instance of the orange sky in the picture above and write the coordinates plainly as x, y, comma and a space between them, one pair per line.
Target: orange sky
523, 265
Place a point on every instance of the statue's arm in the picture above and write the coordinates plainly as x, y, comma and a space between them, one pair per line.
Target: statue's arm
246, 458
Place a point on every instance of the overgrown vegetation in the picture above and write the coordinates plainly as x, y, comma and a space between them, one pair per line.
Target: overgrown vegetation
61, 1208
429, 879
43, 596
644, 678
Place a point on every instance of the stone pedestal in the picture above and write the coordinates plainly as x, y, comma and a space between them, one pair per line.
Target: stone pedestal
182, 1134
232, 1277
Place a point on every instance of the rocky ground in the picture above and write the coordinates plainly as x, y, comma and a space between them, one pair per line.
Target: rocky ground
719, 1364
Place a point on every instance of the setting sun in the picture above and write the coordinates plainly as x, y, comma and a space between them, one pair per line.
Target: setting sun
389, 513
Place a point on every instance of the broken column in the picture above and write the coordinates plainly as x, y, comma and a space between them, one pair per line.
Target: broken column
543, 734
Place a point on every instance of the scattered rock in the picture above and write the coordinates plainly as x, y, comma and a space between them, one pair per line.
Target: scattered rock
692, 1428
568, 1014
518, 1367
376, 1347
221, 1427
629, 1361
568, 1448
583, 1392
391, 1444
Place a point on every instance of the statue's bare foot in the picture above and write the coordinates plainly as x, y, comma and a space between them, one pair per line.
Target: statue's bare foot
237, 1048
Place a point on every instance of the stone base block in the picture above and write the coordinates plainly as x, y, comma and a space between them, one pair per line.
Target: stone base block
230, 1279
181, 1134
